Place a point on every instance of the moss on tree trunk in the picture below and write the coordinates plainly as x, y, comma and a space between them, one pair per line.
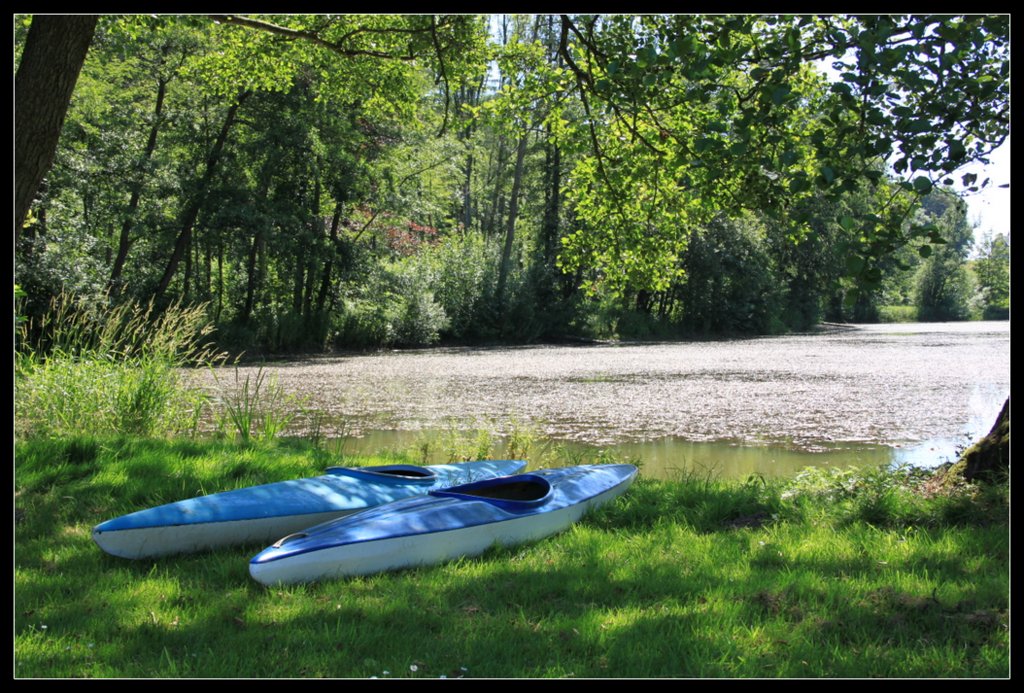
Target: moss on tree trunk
989, 458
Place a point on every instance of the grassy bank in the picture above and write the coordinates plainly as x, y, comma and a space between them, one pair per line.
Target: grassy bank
836, 574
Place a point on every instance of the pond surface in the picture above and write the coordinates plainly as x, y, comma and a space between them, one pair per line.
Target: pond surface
772, 405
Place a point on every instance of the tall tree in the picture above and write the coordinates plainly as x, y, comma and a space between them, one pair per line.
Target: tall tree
688, 115
194, 203
993, 271
54, 51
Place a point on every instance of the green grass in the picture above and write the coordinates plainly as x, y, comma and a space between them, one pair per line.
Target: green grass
690, 578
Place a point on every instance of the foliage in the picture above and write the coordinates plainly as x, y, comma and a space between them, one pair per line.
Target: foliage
944, 288
992, 269
339, 181
711, 113
897, 314
729, 284
901, 496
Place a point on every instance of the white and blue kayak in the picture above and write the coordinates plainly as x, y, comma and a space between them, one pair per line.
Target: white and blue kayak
261, 514
443, 525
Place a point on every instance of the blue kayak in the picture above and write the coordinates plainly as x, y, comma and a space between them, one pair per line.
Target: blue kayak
261, 514
445, 524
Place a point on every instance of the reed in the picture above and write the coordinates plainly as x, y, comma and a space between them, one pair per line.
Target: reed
256, 406
107, 369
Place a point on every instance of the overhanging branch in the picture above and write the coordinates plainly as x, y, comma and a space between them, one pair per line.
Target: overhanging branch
310, 36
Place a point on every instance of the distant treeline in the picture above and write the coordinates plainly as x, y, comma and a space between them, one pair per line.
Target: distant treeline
358, 182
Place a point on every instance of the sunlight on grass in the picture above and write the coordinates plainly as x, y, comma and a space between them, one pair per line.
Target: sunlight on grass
671, 580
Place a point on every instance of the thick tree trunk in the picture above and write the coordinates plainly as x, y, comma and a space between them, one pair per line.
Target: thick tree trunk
989, 458
55, 49
191, 213
124, 241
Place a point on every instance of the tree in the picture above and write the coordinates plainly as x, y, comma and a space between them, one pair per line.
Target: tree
690, 115
944, 288
54, 51
989, 458
993, 271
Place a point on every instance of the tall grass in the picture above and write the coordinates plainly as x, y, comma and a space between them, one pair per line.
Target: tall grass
256, 407
110, 369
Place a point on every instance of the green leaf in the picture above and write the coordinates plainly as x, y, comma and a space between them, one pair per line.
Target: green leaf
854, 264
780, 93
799, 185
703, 144
924, 251
918, 126
922, 185
847, 222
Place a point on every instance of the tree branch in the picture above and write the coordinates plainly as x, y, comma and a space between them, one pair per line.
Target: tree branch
310, 36
444, 74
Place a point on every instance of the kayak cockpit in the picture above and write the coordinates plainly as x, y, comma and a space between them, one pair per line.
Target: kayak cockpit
520, 491
404, 473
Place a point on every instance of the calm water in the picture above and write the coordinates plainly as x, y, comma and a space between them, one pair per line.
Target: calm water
842, 395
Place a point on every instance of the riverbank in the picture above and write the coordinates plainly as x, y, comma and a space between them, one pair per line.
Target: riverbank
831, 574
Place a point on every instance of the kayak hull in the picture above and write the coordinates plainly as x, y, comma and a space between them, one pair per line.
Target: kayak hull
261, 514
436, 528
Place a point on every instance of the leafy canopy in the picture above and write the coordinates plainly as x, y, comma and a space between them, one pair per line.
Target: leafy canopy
691, 115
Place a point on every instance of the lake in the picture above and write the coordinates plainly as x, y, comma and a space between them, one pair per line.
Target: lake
844, 394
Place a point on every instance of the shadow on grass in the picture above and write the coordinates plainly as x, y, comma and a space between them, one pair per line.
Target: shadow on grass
663, 583
556, 608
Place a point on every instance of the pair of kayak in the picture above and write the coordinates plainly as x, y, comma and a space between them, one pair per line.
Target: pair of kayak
372, 519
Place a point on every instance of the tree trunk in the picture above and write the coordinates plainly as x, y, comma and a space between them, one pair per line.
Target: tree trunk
251, 277
55, 49
989, 458
494, 217
467, 202
191, 213
124, 242
553, 203
325, 281
513, 210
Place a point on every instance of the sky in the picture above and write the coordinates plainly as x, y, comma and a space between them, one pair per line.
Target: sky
990, 208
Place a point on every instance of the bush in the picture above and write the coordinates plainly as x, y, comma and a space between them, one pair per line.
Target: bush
730, 285
394, 307
900, 496
944, 289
